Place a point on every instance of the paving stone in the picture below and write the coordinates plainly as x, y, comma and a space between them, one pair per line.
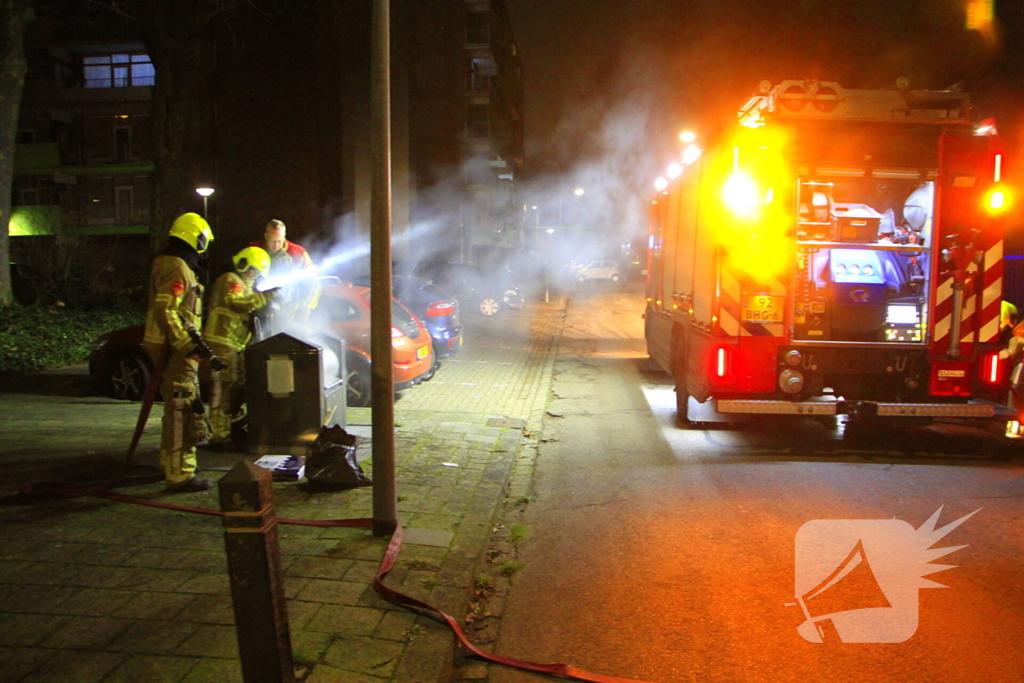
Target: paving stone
209, 609
26, 630
396, 626
328, 674
211, 641
332, 592
421, 663
15, 663
165, 580
300, 612
319, 567
35, 599
154, 637
346, 620
151, 669
428, 537
207, 583
310, 646
215, 671
150, 605
77, 667
90, 633
96, 602
364, 655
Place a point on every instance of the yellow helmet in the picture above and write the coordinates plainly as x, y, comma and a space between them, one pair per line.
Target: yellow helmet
252, 257
194, 230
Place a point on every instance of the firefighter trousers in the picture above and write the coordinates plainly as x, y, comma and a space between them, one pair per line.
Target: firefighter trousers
227, 390
182, 425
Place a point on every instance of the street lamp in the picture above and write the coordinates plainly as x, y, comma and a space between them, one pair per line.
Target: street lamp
578, 192
205, 193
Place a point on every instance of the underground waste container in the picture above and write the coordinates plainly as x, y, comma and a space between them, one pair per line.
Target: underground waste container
293, 388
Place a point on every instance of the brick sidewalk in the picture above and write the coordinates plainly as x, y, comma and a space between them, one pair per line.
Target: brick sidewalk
92, 590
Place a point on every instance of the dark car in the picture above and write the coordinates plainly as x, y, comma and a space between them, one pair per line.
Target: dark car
119, 365
437, 309
486, 292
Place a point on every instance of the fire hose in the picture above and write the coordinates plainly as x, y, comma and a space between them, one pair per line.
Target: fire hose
56, 490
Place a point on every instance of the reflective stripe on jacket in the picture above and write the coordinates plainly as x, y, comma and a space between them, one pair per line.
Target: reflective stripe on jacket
175, 304
231, 305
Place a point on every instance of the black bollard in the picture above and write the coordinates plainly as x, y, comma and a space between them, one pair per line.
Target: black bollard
254, 565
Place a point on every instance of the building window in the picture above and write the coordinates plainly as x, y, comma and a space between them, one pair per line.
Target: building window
477, 29
477, 123
480, 75
123, 205
118, 70
122, 143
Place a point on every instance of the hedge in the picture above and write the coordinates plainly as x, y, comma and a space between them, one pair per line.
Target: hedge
38, 337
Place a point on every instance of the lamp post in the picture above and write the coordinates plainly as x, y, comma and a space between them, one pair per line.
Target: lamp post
205, 193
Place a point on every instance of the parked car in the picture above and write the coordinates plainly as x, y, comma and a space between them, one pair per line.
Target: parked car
437, 309
487, 293
122, 369
118, 364
346, 310
599, 270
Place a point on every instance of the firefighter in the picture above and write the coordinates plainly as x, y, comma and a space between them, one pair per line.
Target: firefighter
174, 344
1015, 351
302, 294
228, 330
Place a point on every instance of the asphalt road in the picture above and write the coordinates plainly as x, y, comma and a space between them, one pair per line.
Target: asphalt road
669, 555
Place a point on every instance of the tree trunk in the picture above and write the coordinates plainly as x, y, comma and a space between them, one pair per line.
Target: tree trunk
15, 16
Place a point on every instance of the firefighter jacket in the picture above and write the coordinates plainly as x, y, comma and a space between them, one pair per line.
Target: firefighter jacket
175, 305
231, 305
289, 259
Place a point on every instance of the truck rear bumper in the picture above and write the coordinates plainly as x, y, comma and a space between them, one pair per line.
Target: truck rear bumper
769, 407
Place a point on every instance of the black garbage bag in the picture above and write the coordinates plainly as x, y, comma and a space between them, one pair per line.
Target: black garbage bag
331, 464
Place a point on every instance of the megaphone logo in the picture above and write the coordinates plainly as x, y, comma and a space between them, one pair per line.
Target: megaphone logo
857, 580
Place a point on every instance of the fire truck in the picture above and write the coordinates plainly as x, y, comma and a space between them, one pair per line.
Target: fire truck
834, 252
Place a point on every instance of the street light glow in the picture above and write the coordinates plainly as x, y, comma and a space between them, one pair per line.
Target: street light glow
691, 154
687, 136
660, 184
579, 192
204, 191
674, 170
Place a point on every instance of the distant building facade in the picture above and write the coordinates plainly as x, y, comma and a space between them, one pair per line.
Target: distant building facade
281, 126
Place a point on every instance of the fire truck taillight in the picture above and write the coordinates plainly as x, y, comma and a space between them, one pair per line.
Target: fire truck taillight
722, 362
992, 369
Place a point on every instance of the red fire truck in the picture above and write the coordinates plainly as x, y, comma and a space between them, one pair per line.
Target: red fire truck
834, 252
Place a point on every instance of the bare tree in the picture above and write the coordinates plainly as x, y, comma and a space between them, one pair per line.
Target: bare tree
15, 16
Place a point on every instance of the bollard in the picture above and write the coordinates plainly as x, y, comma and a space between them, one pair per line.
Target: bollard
254, 567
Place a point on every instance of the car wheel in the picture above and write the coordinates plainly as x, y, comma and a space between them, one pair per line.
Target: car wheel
429, 374
129, 377
581, 278
489, 306
615, 277
357, 380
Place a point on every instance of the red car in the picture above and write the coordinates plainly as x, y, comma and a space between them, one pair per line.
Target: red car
122, 369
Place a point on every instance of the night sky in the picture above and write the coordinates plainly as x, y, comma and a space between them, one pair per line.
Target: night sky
687, 64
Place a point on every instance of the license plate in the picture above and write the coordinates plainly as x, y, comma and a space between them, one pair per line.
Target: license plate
763, 308
422, 352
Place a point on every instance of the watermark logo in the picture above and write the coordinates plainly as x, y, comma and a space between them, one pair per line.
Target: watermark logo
857, 580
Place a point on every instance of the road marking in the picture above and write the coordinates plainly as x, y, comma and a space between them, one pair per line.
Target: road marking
467, 384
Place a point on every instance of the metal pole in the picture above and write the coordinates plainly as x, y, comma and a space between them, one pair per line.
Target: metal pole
382, 385
206, 216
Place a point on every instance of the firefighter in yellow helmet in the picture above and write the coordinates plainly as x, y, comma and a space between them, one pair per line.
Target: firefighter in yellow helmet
228, 330
172, 340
